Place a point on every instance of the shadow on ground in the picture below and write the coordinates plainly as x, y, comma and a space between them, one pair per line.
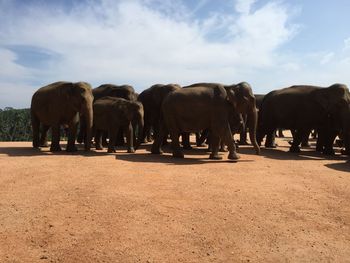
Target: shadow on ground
196, 155
343, 167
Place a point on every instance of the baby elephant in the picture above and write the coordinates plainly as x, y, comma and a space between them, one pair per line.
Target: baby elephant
112, 113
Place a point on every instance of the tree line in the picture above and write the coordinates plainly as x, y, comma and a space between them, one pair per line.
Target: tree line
15, 124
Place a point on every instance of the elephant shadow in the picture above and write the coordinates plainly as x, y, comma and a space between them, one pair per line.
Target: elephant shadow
27, 151
167, 157
343, 167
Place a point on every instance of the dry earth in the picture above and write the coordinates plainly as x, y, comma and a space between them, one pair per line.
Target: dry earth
99, 207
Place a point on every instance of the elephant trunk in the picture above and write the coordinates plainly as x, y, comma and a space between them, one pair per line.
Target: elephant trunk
88, 117
140, 126
252, 124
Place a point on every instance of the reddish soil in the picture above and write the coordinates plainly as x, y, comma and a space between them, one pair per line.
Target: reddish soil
99, 207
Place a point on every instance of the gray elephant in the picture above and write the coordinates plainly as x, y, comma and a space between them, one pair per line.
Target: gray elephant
57, 104
303, 108
152, 99
120, 91
112, 114
235, 116
206, 105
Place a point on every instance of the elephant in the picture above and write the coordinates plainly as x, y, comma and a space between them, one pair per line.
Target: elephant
152, 99
234, 119
121, 91
206, 105
302, 108
57, 104
111, 114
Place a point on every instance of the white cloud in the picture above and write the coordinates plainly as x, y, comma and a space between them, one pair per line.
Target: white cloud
132, 42
347, 44
244, 6
327, 58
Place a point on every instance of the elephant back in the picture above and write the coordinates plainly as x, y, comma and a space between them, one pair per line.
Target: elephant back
124, 91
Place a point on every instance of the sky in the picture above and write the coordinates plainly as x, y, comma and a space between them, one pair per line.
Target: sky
271, 44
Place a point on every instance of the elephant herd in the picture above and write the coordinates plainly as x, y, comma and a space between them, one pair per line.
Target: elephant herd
211, 110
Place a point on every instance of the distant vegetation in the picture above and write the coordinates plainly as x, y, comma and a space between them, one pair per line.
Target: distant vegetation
15, 125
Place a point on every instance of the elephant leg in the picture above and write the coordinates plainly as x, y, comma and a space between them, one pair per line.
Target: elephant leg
297, 138
82, 129
43, 138
305, 139
215, 141
243, 133
72, 132
55, 143
202, 138
36, 130
329, 140
186, 140
270, 139
146, 132
130, 138
112, 134
227, 138
175, 143
120, 138
158, 140
98, 143
104, 139
320, 140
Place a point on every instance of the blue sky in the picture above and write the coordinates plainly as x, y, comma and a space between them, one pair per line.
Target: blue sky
270, 44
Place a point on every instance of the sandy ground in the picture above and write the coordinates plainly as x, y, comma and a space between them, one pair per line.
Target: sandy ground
99, 207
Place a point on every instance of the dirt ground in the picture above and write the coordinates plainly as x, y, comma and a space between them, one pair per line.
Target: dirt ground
99, 207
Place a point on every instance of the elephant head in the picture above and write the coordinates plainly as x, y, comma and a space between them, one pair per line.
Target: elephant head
242, 97
80, 95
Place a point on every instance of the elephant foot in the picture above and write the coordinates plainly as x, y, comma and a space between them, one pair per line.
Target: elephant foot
56, 148
306, 145
233, 156
111, 150
131, 150
71, 148
178, 154
274, 145
294, 149
328, 152
156, 150
215, 156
